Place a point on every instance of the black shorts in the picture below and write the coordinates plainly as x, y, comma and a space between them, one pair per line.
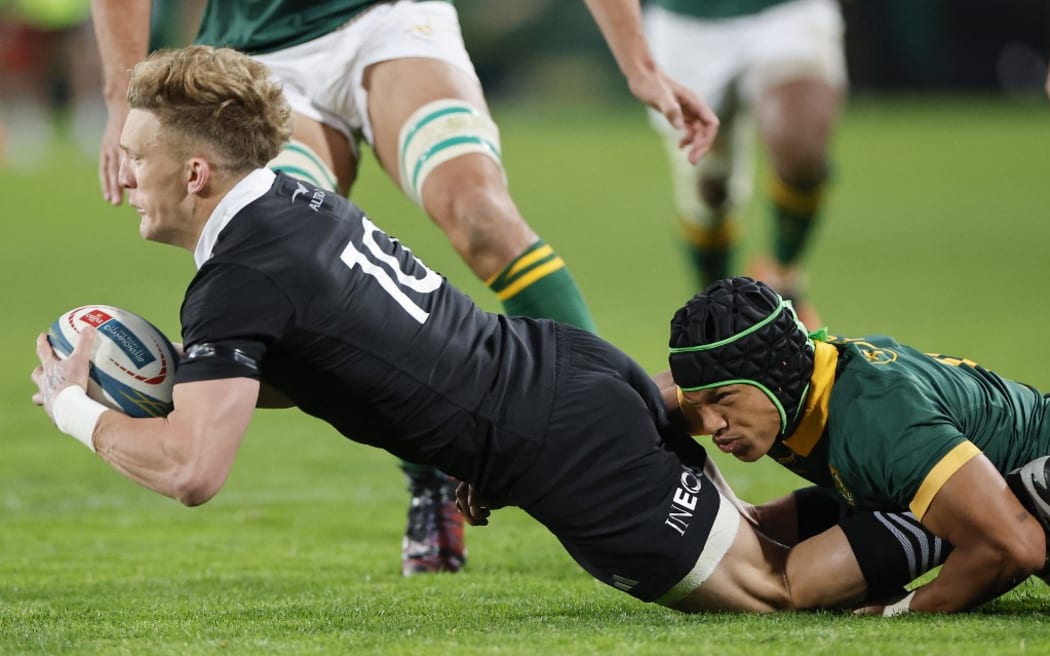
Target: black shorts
624, 504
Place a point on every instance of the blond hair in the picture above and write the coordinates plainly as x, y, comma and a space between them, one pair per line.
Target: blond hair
217, 96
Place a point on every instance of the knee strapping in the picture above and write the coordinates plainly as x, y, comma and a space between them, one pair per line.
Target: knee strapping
438, 132
300, 161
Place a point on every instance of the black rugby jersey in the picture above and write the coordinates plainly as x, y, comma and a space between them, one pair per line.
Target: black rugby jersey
304, 292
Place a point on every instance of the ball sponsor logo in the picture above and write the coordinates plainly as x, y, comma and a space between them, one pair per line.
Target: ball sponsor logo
128, 343
95, 318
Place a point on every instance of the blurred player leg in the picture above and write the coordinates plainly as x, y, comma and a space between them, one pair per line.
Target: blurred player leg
707, 56
795, 120
708, 195
795, 85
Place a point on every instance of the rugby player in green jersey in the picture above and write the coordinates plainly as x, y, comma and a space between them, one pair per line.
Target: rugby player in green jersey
887, 427
397, 76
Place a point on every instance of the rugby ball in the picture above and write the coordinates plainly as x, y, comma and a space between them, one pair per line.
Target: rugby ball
133, 364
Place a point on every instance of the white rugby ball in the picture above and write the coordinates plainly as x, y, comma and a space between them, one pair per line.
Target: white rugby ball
133, 364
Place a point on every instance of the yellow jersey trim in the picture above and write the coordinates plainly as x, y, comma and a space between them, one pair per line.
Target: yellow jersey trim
815, 414
940, 474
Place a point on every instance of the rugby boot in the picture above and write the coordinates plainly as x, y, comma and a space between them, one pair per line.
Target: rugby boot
1030, 483
433, 539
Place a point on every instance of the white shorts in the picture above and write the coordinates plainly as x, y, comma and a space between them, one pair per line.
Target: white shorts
734, 59
323, 78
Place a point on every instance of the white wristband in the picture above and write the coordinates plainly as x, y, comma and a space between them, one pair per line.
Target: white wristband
900, 607
76, 414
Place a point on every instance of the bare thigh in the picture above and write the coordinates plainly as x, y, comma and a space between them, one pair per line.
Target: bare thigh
750, 577
398, 87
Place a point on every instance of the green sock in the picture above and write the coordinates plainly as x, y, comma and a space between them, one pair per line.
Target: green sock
710, 250
794, 210
538, 284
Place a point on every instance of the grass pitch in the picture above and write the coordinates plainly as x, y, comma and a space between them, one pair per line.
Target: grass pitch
935, 232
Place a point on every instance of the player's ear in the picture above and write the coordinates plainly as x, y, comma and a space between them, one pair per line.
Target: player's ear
198, 173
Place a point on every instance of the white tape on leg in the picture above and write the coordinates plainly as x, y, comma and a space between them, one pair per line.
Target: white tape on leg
438, 132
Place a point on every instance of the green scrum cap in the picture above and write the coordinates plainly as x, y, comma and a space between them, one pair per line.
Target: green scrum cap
739, 330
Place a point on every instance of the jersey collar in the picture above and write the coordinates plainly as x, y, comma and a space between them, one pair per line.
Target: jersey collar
250, 188
815, 415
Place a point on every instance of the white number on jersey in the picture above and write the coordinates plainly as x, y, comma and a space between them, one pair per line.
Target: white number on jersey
425, 285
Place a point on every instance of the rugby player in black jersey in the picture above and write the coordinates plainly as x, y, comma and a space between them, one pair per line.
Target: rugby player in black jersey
299, 299
397, 77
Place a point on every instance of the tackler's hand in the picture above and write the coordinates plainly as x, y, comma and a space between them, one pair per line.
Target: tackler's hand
474, 510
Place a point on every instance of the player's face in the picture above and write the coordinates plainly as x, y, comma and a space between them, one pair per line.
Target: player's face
155, 179
739, 418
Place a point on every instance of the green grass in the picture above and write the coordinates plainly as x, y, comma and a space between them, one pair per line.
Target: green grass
936, 232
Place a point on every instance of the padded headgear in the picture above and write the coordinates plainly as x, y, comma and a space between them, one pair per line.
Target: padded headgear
739, 330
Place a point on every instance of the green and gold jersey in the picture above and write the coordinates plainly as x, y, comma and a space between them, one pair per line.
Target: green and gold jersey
887, 425
262, 26
715, 9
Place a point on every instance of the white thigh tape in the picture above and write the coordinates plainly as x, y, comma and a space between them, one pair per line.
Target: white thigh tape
723, 532
437, 132
300, 161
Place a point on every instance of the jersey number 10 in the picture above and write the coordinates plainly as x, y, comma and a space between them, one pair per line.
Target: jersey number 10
387, 264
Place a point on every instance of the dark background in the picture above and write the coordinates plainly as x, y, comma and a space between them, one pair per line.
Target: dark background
892, 45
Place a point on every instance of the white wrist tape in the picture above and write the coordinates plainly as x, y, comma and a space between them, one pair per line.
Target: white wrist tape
75, 414
899, 608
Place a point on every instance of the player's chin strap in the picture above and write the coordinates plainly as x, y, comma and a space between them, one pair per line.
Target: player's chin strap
437, 132
76, 414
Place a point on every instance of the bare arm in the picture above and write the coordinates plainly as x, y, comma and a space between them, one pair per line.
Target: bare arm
186, 455
997, 543
620, 22
122, 32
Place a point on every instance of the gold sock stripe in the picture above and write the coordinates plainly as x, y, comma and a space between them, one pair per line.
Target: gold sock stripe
533, 254
531, 277
794, 200
722, 236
